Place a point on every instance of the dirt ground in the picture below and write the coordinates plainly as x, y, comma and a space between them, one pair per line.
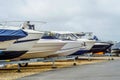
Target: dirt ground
10, 71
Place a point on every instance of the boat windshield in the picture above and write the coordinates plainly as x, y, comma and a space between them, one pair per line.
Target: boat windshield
84, 36
48, 35
65, 36
61, 36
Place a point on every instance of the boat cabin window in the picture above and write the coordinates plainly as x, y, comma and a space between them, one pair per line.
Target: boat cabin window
48, 35
85, 36
65, 36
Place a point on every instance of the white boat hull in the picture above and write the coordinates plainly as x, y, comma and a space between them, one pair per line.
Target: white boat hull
43, 48
69, 48
75, 46
5, 44
67, 52
86, 44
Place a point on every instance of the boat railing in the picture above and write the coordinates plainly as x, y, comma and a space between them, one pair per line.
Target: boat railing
20, 24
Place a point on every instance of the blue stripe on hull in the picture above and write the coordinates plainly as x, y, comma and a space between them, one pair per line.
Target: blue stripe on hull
21, 41
80, 52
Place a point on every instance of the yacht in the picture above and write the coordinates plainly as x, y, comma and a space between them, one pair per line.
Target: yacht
71, 45
22, 45
88, 43
98, 46
115, 48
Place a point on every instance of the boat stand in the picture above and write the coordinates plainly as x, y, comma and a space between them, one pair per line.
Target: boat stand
74, 61
53, 63
89, 55
110, 57
25, 62
19, 68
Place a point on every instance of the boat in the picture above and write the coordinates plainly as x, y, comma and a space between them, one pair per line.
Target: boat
71, 45
22, 45
98, 46
101, 46
54, 44
115, 49
87, 44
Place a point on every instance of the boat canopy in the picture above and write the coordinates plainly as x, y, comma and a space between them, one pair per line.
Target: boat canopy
9, 34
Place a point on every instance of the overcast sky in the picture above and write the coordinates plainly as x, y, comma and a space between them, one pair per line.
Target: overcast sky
99, 16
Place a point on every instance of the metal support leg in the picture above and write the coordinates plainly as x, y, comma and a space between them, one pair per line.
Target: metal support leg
18, 68
74, 63
89, 55
111, 58
53, 63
